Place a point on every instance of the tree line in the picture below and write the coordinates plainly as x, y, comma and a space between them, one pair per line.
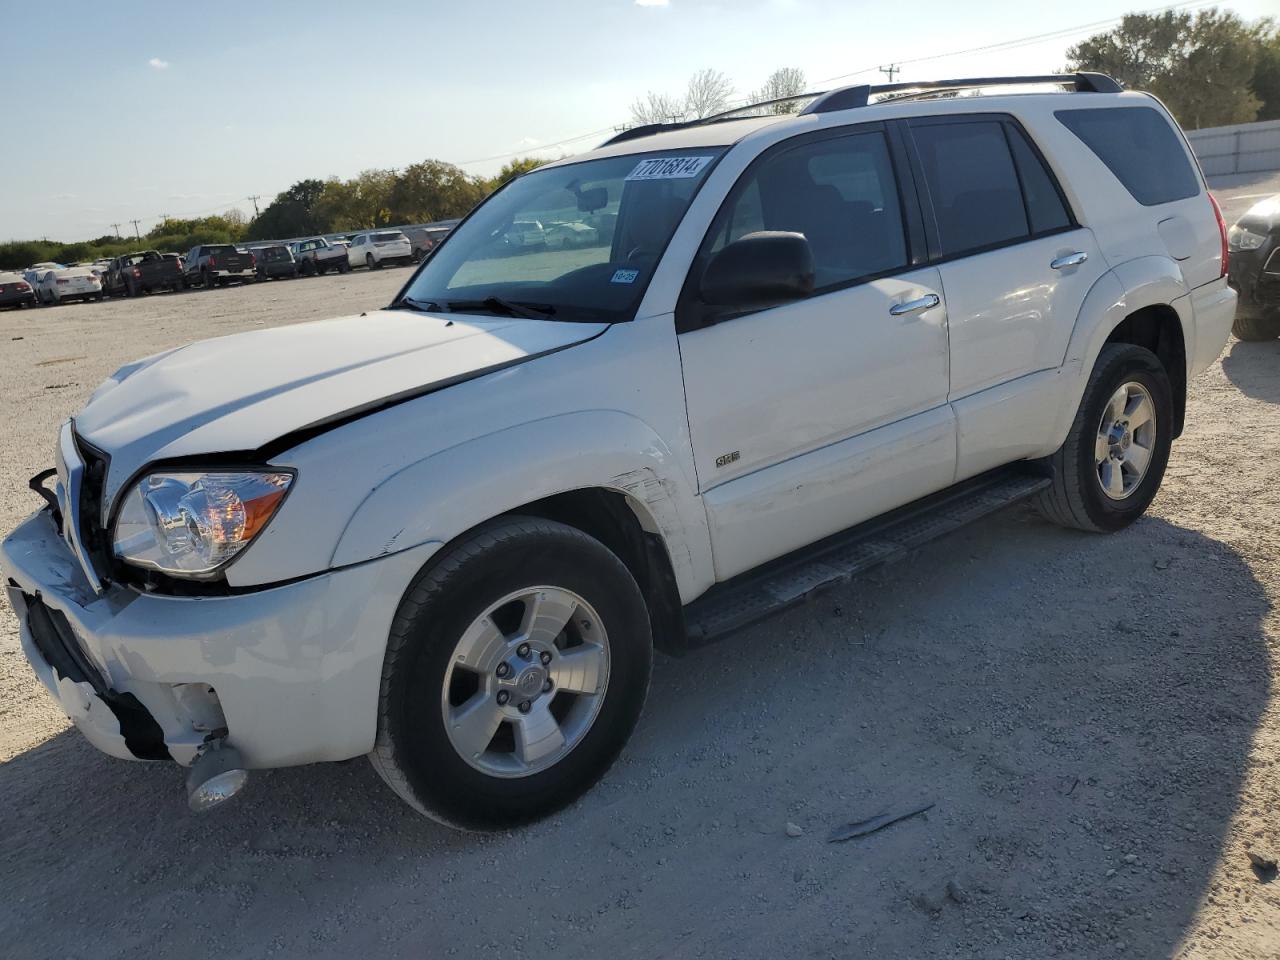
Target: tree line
1210, 68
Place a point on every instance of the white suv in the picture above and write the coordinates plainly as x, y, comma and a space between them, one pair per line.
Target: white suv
450, 534
375, 250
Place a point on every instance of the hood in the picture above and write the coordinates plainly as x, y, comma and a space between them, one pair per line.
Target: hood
242, 392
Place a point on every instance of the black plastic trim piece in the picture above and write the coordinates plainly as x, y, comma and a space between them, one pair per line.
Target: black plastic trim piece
36, 483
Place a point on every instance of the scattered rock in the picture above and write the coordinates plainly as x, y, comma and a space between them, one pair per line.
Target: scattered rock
1130, 858
794, 831
957, 893
1264, 865
1162, 564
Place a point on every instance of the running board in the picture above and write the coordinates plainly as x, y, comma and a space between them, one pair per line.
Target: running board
791, 579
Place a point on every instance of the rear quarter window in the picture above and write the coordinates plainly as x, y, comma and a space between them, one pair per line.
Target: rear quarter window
1140, 147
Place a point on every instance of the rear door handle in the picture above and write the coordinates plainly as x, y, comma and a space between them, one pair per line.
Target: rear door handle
1070, 260
927, 302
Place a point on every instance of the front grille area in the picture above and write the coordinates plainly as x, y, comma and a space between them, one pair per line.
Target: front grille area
93, 531
56, 640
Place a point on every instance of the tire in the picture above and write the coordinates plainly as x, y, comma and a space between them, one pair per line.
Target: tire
370, 263
415, 753
344, 266
1257, 328
1077, 498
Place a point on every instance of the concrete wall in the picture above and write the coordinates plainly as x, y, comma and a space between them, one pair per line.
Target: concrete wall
1241, 148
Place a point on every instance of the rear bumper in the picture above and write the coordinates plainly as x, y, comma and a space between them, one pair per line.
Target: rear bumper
292, 673
1214, 307
17, 299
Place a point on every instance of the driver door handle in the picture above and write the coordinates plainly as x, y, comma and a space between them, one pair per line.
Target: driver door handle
927, 302
1070, 260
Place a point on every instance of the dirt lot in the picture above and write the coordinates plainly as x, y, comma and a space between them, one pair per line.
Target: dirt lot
1094, 718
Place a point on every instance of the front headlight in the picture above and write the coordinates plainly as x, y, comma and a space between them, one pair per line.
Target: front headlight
191, 524
1238, 238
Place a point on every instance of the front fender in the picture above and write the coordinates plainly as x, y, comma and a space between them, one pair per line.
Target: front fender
446, 494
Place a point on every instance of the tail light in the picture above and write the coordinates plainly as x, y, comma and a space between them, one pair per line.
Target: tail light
137, 272
213, 261
22, 287
1222, 230
253, 260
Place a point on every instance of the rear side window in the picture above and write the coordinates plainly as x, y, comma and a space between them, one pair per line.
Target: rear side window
1140, 147
972, 183
1045, 207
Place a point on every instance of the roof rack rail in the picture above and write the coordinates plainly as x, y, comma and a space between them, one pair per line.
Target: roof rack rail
859, 95
847, 98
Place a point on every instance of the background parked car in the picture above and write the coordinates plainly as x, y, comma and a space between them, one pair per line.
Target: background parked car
425, 239
375, 250
558, 236
144, 272
218, 264
15, 291
275, 261
318, 256
70, 283
1255, 271
526, 235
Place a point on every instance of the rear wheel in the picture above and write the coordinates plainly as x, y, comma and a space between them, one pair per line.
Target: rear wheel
515, 671
1257, 328
369, 261
1108, 471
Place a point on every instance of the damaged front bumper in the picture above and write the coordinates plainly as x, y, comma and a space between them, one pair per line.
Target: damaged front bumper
288, 674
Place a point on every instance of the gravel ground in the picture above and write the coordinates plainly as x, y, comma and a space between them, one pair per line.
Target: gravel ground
1092, 716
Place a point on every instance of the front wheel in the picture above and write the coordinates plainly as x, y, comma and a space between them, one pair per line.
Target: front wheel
369, 262
1108, 471
515, 671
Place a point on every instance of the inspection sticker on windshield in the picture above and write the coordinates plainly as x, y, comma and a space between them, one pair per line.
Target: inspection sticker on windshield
668, 168
625, 276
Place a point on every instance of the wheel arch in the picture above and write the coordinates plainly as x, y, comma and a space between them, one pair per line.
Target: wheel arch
1143, 302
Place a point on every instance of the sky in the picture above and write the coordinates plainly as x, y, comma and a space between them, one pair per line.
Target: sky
139, 109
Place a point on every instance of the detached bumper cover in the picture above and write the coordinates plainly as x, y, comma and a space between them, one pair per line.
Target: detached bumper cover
292, 671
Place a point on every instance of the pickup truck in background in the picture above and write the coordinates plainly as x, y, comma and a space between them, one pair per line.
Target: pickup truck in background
318, 256
137, 273
218, 264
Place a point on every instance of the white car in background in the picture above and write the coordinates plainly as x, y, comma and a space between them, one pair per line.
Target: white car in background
70, 283
373, 250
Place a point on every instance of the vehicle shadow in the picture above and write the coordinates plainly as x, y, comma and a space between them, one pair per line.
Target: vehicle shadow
1080, 709
1254, 368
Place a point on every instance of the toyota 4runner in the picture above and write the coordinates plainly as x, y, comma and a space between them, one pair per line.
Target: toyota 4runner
450, 534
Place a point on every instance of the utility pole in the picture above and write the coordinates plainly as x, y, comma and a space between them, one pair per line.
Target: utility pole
255, 198
135, 230
890, 71
115, 229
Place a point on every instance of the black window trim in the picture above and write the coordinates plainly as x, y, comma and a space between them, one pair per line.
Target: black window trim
1006, 121
691, 314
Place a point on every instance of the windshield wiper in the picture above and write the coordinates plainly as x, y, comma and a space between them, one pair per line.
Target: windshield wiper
528, 311
422, 306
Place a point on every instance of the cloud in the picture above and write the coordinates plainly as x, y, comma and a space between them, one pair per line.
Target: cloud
653, 3
524, 142
158, 64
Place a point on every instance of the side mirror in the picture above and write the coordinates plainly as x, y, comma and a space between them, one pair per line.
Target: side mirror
760, 270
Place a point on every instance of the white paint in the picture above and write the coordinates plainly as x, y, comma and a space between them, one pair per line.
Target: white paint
820, 414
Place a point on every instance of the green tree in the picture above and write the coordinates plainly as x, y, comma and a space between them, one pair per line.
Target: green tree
1266, 76
1199, 64
291, 214
515, 168
433, 190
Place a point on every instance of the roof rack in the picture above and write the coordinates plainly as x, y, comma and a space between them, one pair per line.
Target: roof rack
848, 98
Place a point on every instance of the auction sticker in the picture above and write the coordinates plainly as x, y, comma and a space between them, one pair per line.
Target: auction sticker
669, 168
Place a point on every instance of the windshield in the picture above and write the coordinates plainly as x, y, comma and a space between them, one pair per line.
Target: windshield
575, 242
